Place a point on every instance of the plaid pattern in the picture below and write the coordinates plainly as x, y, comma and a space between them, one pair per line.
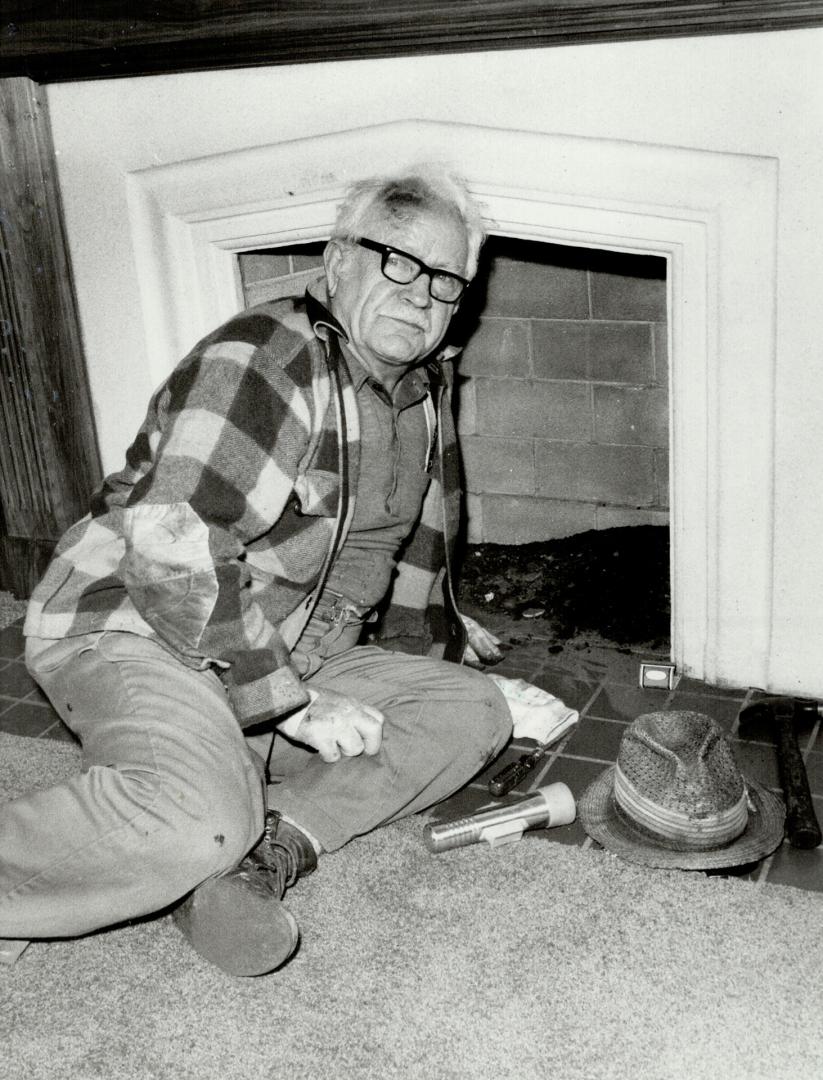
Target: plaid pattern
212, 538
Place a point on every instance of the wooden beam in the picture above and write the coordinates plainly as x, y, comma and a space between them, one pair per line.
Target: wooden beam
49, 461
53, 40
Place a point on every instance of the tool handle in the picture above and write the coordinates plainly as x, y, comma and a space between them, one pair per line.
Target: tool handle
802, 826
510, 777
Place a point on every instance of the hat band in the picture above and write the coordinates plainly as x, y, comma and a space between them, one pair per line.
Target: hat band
686, 831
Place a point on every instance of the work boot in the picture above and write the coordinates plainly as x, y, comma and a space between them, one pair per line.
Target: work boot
238, 921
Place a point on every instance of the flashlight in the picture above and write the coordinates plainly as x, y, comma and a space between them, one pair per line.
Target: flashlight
548, 806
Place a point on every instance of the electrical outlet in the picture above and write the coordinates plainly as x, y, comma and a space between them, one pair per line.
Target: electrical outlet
658, 676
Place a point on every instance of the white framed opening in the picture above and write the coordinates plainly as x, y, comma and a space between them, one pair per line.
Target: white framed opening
712, 216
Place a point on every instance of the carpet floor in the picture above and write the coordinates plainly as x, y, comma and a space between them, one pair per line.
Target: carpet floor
531, 960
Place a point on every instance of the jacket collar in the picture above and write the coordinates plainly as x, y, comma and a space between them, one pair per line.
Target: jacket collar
321, 319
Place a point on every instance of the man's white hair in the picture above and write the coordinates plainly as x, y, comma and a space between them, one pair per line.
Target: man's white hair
418, 188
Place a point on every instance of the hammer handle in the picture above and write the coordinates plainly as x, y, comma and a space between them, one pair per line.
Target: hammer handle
802, 827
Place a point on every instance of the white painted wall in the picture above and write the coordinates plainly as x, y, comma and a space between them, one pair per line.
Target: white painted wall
758, 94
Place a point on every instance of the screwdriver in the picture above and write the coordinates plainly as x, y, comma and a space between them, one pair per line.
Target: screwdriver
511, 776
536, 713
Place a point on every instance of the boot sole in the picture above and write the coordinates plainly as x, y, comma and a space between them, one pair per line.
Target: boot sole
237, 930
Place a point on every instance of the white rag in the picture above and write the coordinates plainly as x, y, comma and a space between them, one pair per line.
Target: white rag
536, 714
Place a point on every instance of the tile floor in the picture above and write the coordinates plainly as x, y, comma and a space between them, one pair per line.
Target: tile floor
602, 683
599, 681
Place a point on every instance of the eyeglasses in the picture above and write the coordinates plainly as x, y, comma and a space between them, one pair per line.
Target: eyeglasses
401, 268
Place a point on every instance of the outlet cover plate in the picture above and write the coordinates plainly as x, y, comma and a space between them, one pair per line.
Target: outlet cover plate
658, 676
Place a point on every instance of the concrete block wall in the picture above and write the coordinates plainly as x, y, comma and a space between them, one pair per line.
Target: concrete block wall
562, 387
563, 400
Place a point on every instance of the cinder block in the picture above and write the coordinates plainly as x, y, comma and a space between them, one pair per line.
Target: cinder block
524, 289
619, 475
497, 347
309, 259
511, 519
631, 415
473, 508
524, 407
465, 405
613, 517
620, 296
661, 472
660, 341
505, 466
261, 265
602, 351
561, 349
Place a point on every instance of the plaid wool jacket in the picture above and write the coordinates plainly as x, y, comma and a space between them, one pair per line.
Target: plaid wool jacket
214, 537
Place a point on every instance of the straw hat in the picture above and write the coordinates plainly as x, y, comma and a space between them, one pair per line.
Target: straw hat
676, 798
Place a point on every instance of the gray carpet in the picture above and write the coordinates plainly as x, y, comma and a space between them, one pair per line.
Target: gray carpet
534, 960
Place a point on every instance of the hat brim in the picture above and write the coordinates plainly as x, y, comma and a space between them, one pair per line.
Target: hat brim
599, 816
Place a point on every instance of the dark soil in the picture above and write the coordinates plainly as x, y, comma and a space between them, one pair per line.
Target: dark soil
611, 583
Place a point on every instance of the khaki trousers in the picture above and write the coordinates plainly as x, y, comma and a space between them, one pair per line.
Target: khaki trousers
172, 793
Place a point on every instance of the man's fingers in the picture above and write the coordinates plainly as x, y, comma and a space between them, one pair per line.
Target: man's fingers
350, 737
482, 644
337, 727
371, 731
470, 656
485, 641
350, 742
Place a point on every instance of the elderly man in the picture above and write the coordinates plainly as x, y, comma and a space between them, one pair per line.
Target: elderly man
231, 633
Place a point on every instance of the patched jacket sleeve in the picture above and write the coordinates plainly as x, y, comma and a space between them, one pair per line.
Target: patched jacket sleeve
229, 433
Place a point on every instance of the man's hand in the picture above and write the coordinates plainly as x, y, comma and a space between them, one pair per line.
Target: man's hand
482, 646
336, 725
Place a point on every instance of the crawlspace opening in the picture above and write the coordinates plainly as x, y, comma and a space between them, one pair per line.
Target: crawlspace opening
606, 585
562, 402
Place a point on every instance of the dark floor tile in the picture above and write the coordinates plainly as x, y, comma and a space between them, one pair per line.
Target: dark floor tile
26, 718
38, 696
574, 772
58, 732
595, 662
792, 866
11, 641
576, 693
757, 761
593, 738
687, 685
15, 680
615, 702
723, 710
469, 800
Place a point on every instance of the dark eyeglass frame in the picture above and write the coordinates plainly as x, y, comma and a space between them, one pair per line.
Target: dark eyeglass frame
386, 251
